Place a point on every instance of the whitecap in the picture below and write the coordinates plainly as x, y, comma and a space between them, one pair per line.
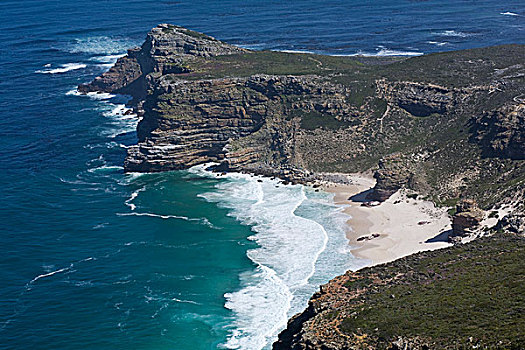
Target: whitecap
63, 68
107, 58
204, 221
509, 13
105, 169
295, 51
49, 274
381, 52
134, 195
186, 301
452, 33
99, 226
437, 43
260, 308
388, 52
93, 95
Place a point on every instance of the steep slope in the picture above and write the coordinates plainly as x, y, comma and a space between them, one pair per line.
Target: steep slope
467, 296
453, 122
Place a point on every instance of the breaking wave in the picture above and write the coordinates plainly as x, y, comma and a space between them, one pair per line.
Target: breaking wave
101, 45
297, 250
62, 69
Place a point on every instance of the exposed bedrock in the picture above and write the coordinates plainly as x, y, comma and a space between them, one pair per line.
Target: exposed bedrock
164, 51
395, 172
193, 124
203, 100
467, 218
513, 222
419, 99
501, 132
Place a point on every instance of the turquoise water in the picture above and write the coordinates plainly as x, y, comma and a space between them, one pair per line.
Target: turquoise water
92, 258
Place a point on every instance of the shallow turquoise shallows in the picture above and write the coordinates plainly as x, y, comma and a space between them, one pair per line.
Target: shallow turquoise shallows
92, 258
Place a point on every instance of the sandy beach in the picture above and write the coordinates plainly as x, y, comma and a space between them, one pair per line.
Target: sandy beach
397, 227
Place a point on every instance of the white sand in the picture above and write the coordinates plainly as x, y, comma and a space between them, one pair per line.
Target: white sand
404, 225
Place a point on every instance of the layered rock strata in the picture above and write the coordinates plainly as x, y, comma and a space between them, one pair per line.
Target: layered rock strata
294, 115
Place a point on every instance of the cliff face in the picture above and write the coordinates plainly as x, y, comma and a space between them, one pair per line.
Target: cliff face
165, 50
454, 121
501, 132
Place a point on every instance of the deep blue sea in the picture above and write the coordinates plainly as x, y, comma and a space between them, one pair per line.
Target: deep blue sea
92, 258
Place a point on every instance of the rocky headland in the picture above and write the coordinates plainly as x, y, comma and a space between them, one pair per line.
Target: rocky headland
449, 127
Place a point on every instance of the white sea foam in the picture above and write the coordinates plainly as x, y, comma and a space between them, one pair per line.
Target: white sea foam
100, 45
105, 168
299, 247
63, 68
134, 195
437, 43
119, 117
381, 52
509, 13
452, 33
295, 51
186, 301
107, 58
204, 221
120, 120
49, 274
388, 52
92, 95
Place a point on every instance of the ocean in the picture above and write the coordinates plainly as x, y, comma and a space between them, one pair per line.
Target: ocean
93, 258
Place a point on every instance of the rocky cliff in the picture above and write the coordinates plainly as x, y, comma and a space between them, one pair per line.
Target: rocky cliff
447, 117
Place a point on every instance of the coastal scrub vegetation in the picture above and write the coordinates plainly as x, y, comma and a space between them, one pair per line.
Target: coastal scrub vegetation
471, 295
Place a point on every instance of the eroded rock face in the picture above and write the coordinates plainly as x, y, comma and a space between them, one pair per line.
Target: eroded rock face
514, 222
178, 134
419, 99
502, 132
467, 218
164, 51
393, 174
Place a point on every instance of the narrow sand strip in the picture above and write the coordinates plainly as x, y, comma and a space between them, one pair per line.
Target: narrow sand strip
404, 225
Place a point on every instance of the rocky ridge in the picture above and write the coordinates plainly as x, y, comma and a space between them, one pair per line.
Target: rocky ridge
207, 101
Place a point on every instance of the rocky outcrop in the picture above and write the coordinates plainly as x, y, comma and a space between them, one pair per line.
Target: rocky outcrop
167, 49
190, 123
467, 218
501, 132
395, 172
420, 99
514, 222
392, 175
195, 122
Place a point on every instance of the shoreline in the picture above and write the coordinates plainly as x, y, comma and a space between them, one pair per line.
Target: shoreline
398, 227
